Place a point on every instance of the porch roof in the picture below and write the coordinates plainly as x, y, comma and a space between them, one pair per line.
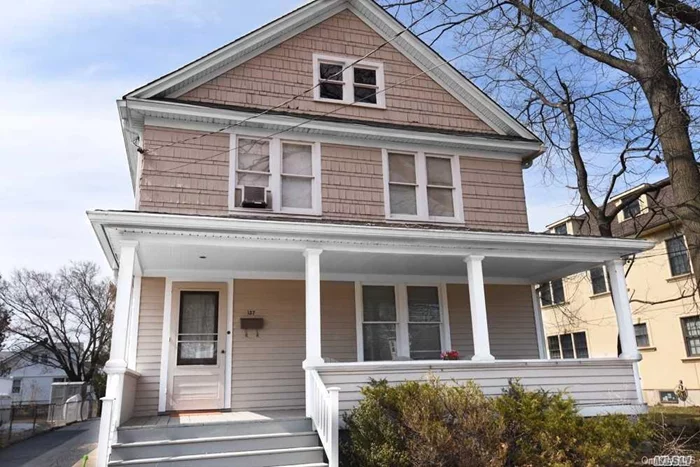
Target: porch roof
253, 246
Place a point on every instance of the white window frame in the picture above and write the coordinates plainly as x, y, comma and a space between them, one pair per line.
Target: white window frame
573, 343
349, 80
648, 328
422, 213
275, 186
401, 299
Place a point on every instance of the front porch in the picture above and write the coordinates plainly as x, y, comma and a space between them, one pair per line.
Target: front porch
339, 304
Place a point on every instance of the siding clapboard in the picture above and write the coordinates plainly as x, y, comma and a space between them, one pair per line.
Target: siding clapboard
148, 348
511, 321
589, 383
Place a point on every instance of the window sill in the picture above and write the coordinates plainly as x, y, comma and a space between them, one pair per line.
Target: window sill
695, 359
647, 349
354, 104
554, 305
599, 295
680, 277
422, 220
271, 213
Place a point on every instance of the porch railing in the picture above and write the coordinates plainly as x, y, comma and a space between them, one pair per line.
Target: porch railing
107, 430
324, 414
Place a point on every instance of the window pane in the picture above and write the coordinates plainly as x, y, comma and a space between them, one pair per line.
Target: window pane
440, 202
378, 303
424, 341
197, 353
366, 95
402, 199
245, 179
197, 331
331, 71
678, 256
365, 76
631, 209
641, 334
296, 192
581, 345
691, 332
253, 155
402, 168
598, 280
379, 341
439, 171
558, 291
331, 91
567, 346
423, 304
296, 159
553, 344
545, 294
561, 229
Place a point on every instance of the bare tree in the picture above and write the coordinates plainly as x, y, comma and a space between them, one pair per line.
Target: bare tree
628, 67
67, 316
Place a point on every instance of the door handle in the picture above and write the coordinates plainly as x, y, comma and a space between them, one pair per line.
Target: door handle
223, 351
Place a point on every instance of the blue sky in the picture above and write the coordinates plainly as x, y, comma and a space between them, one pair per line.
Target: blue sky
64, 63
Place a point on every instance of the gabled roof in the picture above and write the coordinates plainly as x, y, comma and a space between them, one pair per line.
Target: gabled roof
198, 72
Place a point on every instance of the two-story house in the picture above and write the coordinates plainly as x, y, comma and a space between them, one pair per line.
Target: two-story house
324, 201
32, 371
579, 318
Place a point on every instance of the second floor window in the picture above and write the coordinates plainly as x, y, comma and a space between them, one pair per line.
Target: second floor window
641, 333
678, 256
632, 209
599, 280
691, 335
341, 80
289, 171
552, 293
420, 186
16, 385
569, 345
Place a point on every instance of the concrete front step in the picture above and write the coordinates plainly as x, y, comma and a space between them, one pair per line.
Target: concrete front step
212, 445
212, 430
305, 456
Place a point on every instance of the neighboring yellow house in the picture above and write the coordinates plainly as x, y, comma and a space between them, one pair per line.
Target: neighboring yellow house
578, 312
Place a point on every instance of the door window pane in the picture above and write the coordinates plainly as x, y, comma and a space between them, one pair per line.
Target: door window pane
424, 322
198, 328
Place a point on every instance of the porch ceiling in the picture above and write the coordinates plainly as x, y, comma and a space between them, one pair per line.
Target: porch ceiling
208, 247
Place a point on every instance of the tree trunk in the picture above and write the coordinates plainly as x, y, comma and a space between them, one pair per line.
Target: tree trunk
663, 92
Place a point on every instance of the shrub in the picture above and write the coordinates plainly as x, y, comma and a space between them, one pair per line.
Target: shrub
421, 424
544, 428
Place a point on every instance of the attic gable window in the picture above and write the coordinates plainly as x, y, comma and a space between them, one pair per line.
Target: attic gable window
343, 81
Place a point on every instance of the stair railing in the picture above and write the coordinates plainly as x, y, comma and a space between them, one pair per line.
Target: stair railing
323, 410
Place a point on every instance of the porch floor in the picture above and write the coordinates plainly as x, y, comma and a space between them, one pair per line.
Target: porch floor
213, 417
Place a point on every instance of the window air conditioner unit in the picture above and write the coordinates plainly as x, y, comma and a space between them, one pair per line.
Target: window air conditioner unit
254, 197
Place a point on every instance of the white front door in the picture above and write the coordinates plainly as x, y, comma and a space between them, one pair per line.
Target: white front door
197, 343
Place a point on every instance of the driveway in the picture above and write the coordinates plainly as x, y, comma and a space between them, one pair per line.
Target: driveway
59, 448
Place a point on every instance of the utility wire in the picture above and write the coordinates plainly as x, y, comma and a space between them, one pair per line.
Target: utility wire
303, 93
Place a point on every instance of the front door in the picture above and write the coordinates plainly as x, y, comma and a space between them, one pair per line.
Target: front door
197, 359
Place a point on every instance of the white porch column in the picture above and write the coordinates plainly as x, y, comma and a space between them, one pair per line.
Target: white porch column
477, 303
623, 312
116, 366
313, 305
313, 319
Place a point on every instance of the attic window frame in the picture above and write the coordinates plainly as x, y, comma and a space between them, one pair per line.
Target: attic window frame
348, 80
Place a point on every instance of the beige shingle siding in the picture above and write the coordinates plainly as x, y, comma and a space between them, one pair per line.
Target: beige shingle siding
511, 319
148, 349
493, 193
287, 70
352, 186
187, 178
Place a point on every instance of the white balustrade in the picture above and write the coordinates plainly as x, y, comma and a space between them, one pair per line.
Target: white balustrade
324, 414
107, 429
